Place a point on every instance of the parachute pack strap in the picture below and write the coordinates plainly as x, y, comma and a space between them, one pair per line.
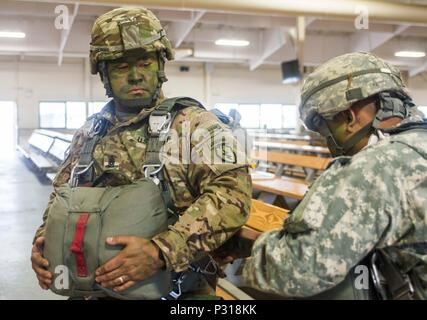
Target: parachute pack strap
419, 247
82, 172
159, 122
406, 127
184, 281
398, 285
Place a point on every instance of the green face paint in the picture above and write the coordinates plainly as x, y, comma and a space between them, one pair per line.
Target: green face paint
339, 132
134, 77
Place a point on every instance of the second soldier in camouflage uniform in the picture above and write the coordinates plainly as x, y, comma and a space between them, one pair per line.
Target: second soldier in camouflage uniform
373, 195
212, 198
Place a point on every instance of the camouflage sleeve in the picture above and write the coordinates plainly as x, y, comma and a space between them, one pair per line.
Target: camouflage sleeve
222, 185
63, 175
349, 210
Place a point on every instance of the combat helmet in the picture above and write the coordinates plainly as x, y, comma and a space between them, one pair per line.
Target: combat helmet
340, 82
123, 30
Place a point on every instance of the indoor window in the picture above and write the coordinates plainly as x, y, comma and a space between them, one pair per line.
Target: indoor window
95, 107
271, 116
290, 116
76, 114
52, 114
250, 115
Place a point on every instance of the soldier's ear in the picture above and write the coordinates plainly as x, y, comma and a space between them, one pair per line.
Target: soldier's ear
351, 120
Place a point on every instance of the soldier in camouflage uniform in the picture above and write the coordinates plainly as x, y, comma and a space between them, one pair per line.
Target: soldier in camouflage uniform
372, 196
129, 49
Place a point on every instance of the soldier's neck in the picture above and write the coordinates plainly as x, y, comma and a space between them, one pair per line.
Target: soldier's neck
125, 109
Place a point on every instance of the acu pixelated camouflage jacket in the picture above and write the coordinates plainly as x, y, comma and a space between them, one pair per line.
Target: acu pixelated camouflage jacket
212, 198
375, 199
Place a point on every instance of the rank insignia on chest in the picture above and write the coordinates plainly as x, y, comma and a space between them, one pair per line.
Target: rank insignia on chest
110, 162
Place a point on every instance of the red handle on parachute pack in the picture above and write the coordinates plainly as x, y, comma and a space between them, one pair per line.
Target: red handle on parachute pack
77, 245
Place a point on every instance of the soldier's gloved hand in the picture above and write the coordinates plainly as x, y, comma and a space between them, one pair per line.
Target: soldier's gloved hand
137, 261
237, 247
40, 264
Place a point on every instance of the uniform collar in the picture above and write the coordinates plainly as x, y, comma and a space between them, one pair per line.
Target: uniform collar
108, 113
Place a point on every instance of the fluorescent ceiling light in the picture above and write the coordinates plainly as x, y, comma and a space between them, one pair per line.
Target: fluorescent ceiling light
410, 54
8, 34
291, 80
232, 42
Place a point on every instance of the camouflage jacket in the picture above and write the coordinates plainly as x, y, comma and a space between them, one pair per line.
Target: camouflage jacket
377, 198
213, 199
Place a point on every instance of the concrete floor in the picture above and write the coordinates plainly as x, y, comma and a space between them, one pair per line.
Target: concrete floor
22, 202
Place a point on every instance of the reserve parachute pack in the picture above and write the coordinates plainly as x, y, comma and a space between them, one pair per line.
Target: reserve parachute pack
82, 216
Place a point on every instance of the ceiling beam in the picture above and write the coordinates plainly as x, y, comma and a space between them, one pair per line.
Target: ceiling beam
178, 31
65, 33
416, 70
272, 41
379, 11
368, 41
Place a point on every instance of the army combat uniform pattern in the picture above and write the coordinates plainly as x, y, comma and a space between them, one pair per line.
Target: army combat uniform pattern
212, 198
376, 198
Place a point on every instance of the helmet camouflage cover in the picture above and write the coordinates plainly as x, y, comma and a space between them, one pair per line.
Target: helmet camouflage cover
125, 29
337, 84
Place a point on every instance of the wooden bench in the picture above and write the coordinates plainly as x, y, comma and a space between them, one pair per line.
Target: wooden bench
263, 217
40, 142
286, 141
46, 151
315, 140
58, 150
278, 189
36, 153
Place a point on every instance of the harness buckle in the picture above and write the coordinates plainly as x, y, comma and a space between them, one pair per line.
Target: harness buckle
74, 176
211, 268
177, 290
151, 171
380, 282
159, 126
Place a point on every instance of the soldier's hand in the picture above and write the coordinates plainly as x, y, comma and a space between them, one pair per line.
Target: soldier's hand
237, 247
40, 264
137, 261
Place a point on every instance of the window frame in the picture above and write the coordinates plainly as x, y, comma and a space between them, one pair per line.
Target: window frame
260, 107
65, 114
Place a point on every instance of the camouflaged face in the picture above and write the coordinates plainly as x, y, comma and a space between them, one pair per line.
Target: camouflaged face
377, 198
126, 29
333, 98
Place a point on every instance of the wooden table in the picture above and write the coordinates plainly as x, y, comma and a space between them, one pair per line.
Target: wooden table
292, 147
263, 217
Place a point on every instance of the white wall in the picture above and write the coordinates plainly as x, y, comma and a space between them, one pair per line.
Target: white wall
418, 89
31, 80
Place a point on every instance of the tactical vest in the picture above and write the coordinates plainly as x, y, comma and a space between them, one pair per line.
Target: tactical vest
394, 273
83, 215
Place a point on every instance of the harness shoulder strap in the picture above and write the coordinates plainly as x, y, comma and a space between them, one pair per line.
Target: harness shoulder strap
83, 172
160, 121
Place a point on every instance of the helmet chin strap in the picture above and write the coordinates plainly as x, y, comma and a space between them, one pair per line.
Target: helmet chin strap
139, 102
390, 104
338, 149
